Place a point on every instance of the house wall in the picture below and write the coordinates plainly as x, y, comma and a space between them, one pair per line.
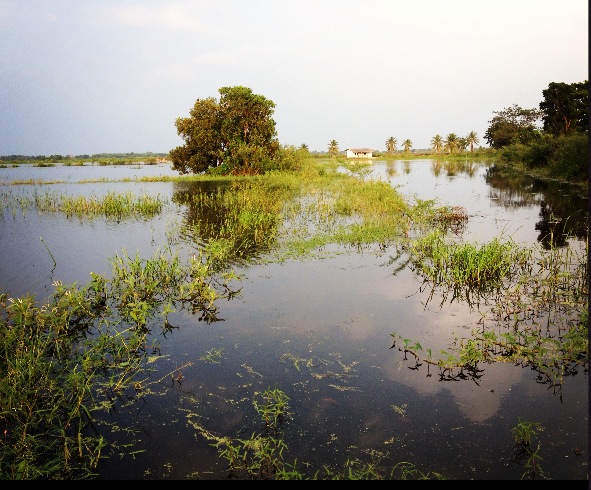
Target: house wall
358, 154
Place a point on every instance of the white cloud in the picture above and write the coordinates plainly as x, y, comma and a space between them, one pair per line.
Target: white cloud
165, 16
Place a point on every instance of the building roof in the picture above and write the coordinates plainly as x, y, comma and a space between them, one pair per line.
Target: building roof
360, 150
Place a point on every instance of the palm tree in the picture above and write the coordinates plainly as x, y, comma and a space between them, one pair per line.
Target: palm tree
451, 142
304, 146
472, 139
333, 148
437, 143
407, 145
391, 143
462, 144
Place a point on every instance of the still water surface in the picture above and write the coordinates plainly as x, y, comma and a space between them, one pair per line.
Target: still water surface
356, 394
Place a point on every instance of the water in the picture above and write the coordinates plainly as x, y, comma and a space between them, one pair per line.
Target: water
320, 330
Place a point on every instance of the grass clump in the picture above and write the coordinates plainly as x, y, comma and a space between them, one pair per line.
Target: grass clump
481, 267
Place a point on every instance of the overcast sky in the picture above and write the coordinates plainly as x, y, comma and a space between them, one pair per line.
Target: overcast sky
94, 76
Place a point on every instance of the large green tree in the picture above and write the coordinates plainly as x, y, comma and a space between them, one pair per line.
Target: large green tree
565, 108
512, 125
238, 131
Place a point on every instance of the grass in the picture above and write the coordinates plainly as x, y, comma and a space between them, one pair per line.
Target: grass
65, 361
534, 308
116, 206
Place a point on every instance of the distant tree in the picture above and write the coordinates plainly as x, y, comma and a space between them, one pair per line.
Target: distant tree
333, 148
472, 139
391, 143
565, 108
452, 142
512, 124
462, 143
304, 146
437, 143
238, 131
407, 145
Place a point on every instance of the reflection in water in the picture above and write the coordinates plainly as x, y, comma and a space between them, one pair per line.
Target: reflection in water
497, 203
563, 210
234, 219
391, 170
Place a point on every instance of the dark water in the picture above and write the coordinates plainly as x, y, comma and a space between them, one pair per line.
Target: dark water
319, 330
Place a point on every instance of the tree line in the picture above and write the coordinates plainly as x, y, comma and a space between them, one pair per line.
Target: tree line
61, 158
551, 139
237, 135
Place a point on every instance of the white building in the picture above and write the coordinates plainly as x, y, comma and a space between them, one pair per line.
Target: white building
359, 152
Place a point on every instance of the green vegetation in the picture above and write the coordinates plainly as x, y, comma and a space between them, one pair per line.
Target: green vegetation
560, 150
78, 160
261, 456
524, 433
82, 352
333, 148
564, 157
540, 313
115, 206
237, 133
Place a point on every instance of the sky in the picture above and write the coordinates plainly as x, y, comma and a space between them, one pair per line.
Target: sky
112, 76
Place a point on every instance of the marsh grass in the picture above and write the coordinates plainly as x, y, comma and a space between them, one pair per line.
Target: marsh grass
467, 268
83, 352
113, 205
534, 311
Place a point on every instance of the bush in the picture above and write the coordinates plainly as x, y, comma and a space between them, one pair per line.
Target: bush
538, 153
513, 153
570, 158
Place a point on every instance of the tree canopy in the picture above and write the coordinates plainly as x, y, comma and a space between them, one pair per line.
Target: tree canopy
564, 110
512, 124
238, 132
437, 143
407, 145
564, 107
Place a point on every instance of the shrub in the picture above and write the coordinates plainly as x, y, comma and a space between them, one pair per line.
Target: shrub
570, 158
